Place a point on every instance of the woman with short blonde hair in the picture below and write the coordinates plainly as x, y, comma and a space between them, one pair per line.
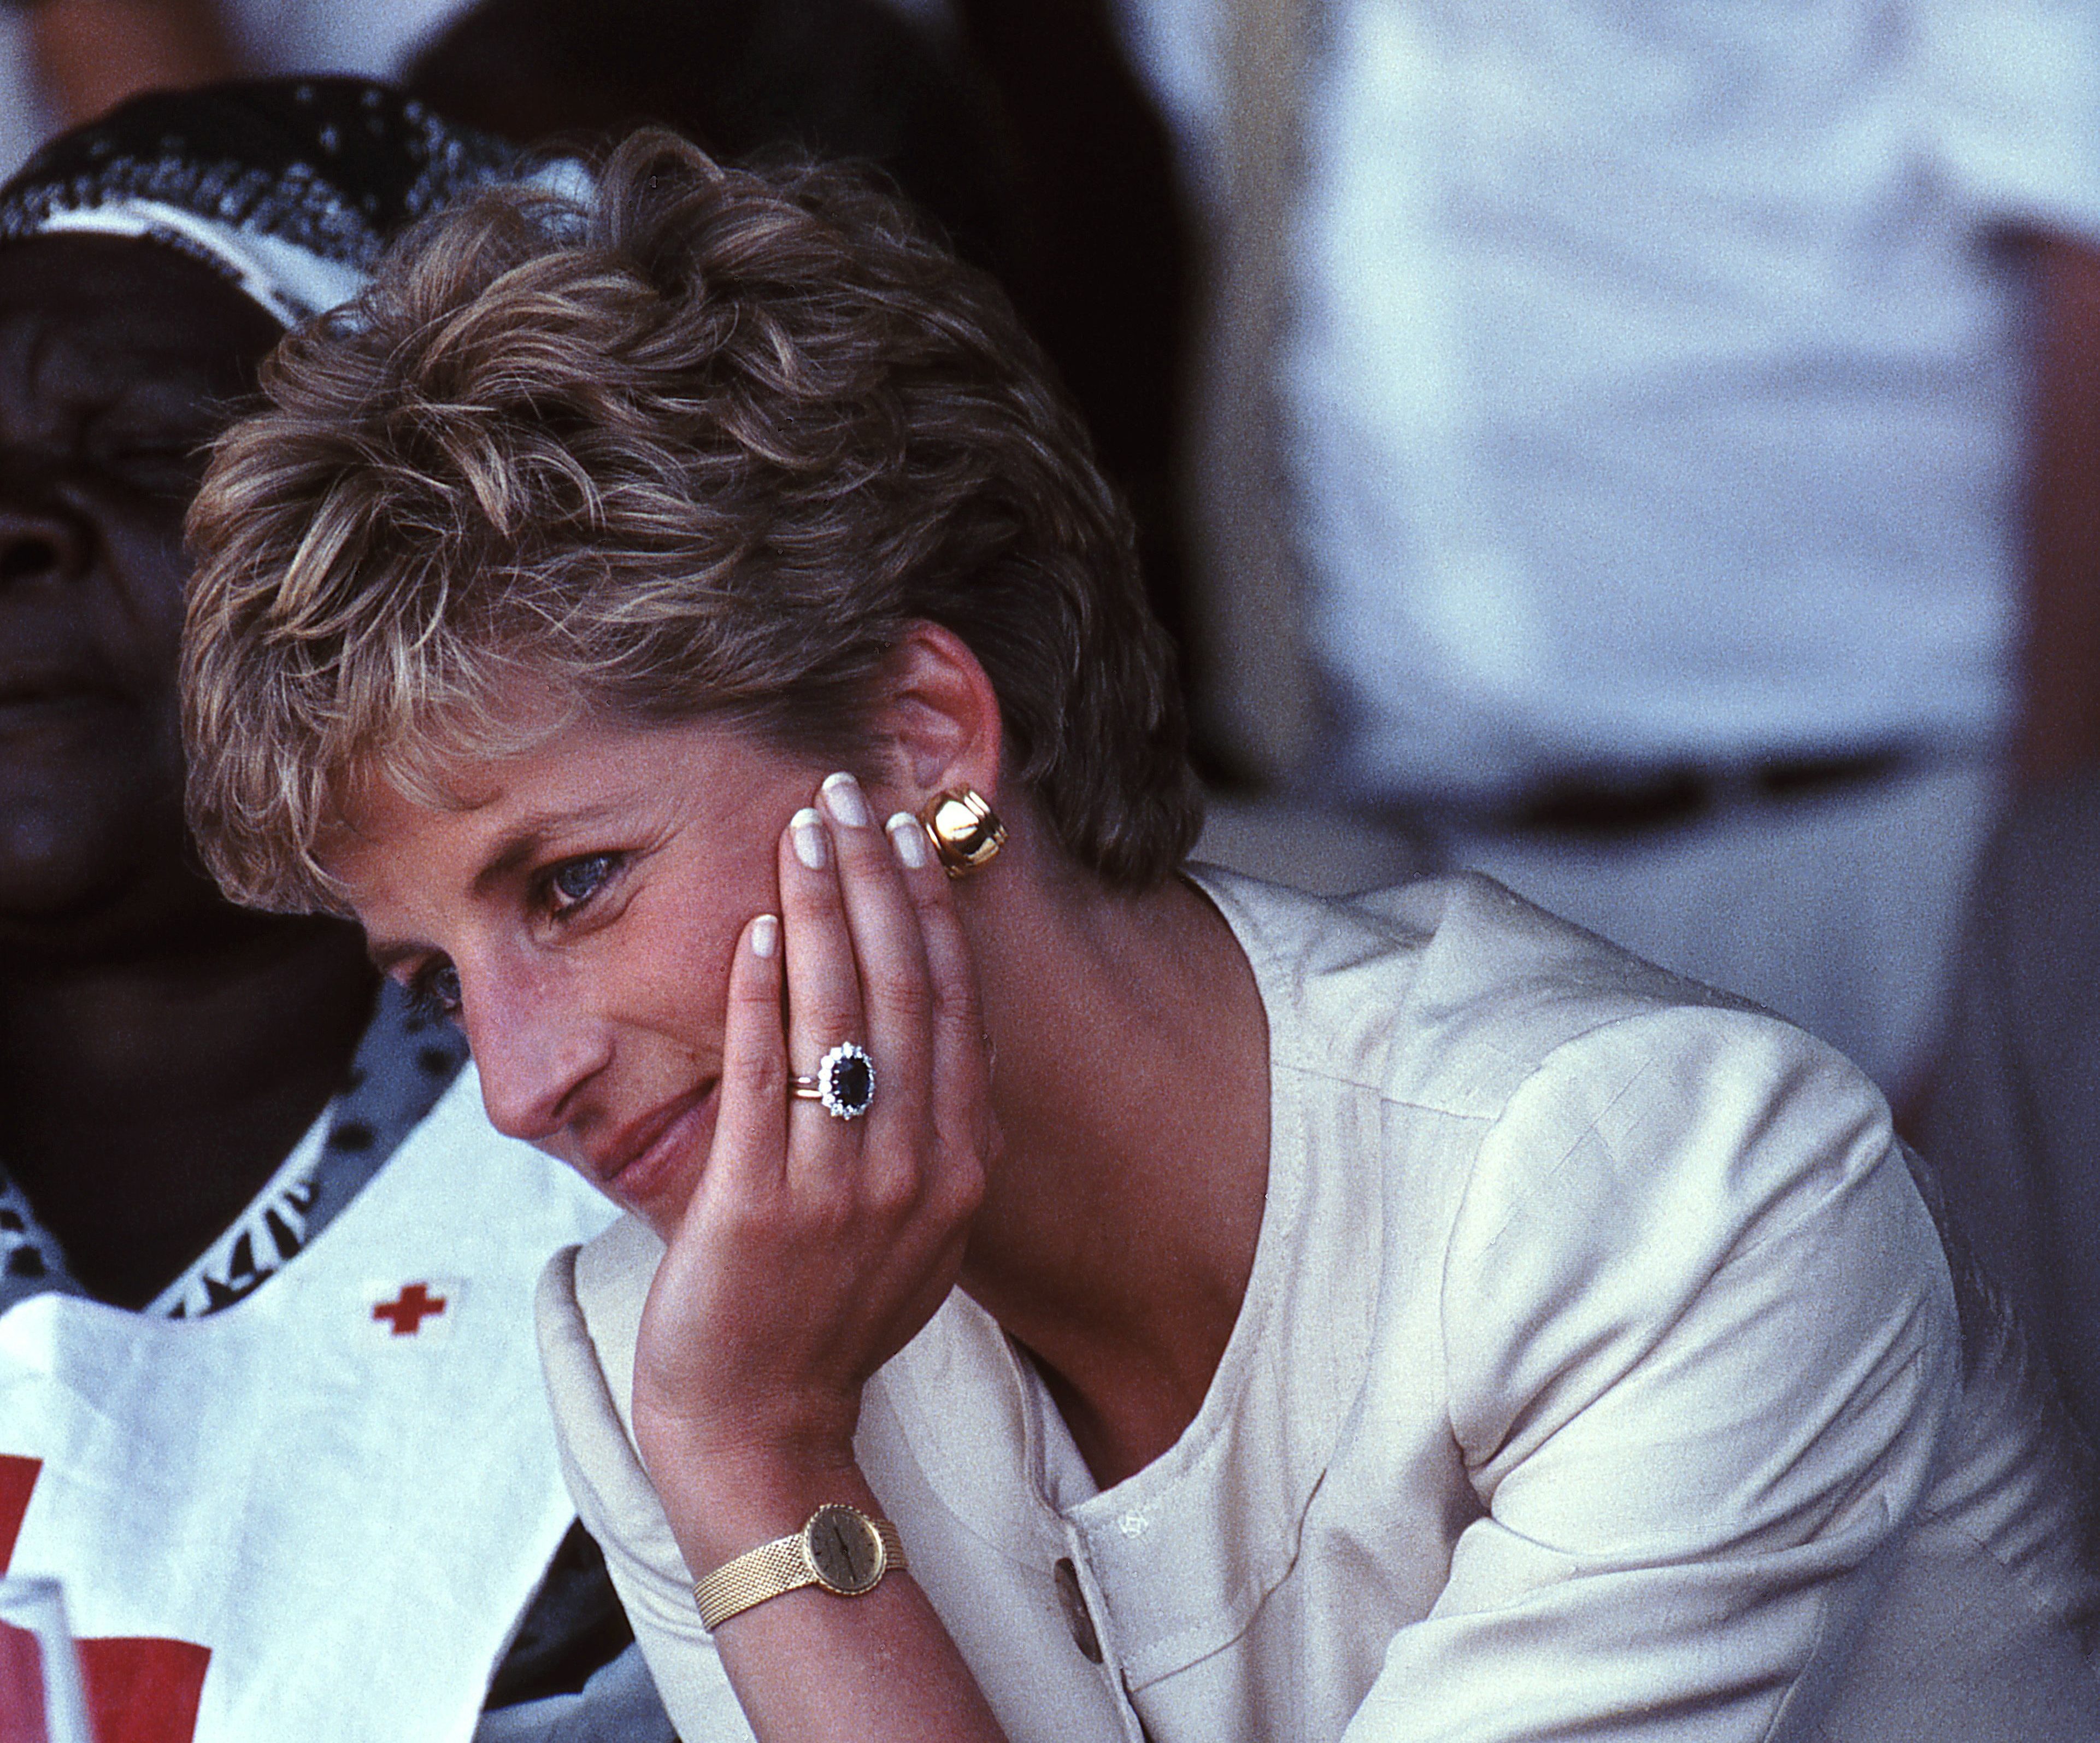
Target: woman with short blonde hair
1069, 1293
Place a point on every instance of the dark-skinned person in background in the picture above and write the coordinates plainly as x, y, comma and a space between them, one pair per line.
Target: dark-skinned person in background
268, 1406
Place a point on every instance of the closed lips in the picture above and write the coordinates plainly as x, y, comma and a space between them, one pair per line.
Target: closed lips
636, 1140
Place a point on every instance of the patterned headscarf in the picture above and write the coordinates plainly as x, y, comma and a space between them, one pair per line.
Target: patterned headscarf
290, 187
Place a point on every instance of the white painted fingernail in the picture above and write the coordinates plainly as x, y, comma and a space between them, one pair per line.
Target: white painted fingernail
842, 799
907, 835
764, 935
807, 830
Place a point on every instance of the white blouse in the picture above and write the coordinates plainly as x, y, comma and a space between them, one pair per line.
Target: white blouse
1599, 1375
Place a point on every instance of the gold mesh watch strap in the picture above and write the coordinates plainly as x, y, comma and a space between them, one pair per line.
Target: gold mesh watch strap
783, 1565
751, 1579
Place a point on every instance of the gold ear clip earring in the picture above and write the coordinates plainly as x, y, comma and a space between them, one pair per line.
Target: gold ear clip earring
967, 832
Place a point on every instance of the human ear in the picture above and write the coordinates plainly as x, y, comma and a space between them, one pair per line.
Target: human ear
939, 717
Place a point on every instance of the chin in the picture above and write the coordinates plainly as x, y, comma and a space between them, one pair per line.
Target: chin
114, 903
66, 846
60, 897
664, 1220
663, 1211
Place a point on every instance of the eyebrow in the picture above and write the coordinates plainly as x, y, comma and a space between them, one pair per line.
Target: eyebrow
527, 839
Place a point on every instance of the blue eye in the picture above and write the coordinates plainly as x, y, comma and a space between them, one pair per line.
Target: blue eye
574, 881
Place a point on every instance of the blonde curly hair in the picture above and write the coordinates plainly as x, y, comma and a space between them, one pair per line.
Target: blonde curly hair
703, 442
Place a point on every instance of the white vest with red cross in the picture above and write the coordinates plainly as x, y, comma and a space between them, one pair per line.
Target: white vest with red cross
318, 1515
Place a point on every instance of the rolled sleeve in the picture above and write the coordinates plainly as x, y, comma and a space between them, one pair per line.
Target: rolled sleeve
1700, 1346
619, 1507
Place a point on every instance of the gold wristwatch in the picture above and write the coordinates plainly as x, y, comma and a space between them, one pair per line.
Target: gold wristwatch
841, 1549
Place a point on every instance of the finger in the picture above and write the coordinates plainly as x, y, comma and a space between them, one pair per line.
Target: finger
960, 1077
751, 1117
896, 993
823, 985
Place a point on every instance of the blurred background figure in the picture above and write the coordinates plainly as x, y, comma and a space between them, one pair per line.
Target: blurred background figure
1678, 429
63, 62
1684, 422
2012, 1123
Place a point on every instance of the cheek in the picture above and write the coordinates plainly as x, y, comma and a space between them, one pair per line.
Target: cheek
688, 947
142, 630
677, 984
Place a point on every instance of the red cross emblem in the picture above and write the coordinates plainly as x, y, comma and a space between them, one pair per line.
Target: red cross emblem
409, 1309
139, 1691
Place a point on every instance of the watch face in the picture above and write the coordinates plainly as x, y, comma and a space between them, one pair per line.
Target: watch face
844, 1550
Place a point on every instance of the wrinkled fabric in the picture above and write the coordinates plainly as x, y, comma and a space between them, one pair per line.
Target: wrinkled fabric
1599, 1375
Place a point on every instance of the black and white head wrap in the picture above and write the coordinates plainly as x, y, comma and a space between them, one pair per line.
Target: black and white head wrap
290, 187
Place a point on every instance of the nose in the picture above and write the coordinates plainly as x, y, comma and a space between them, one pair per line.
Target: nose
534, 1051
37, 544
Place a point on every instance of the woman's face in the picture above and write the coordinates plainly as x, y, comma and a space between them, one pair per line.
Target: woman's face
117, 360
575, 910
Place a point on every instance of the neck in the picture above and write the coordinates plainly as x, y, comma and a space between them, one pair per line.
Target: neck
149, 1098
1131, 1084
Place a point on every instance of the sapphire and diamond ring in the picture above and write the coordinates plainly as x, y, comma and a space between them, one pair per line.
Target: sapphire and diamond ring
844, 1081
